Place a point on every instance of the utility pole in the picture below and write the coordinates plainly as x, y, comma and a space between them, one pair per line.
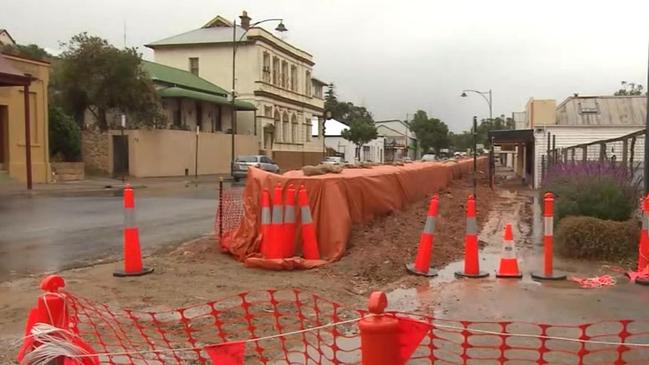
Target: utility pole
646, 137
198, 130
475, 156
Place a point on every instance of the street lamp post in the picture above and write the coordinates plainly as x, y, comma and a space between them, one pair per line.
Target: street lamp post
486, 95
280, 28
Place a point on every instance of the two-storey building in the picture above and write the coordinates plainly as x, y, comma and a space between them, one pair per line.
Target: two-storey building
272, 74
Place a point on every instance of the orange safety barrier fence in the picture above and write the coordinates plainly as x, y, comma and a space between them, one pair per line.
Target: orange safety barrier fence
337, 201
290, 326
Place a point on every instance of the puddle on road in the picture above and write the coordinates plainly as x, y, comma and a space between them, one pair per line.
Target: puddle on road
522, 209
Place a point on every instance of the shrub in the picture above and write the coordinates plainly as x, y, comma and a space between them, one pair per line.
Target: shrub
592, 238
593, 189
64, 136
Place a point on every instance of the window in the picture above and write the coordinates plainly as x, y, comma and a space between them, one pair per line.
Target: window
308, 129
284, 74
265, 70
268, 111
294, 135
307, 83
588, 106
294, 78
265, 159
366, 154
278, 127
286, 132
193, 65
276, 71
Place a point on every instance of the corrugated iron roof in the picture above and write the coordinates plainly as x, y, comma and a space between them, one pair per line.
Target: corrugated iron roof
201, 36
175, 76
602, 111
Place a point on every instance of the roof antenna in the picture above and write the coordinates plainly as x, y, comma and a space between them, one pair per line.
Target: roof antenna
124, 33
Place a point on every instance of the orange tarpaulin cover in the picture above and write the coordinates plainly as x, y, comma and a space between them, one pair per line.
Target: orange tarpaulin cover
337, 202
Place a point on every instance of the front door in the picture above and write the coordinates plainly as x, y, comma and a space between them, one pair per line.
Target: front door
3, 137
120, 156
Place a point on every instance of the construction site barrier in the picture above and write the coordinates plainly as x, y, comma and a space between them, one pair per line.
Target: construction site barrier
336, 202
290, 326
228, 214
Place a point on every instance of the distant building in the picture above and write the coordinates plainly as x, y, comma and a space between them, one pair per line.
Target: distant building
400, 141
15, 74
577, 120
372, 151
6, 39
272, 74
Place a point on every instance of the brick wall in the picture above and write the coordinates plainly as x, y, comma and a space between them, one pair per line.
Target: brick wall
295, 160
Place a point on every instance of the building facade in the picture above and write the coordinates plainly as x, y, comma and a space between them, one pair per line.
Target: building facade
272, 74
372, 151
400, 141
12, 118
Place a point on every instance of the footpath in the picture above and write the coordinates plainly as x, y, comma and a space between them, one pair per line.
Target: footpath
103, 185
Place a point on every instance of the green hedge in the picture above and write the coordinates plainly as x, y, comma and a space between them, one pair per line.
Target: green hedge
592, 238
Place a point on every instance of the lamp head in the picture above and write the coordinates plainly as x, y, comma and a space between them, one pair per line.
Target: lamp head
281, 27
463, 94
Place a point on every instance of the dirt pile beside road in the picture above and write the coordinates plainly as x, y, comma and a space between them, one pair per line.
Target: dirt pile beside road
379, 250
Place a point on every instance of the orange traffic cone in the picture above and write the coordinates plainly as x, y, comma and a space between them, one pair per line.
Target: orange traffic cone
265, 222
643, 244
275, 249
289, 222
132, 254
548, 242
508, 262
471, 259
309, 240
421, 266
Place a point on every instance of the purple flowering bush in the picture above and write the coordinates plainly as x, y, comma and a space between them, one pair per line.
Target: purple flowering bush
596, 189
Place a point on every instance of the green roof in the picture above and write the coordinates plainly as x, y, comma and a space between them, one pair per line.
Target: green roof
176, 77
179, 92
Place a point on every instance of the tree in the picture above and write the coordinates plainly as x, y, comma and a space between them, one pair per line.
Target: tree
64, 136
344, 112
495, 124
431, 133
629, 89
360, 132
32, 51
95, 76
461, 141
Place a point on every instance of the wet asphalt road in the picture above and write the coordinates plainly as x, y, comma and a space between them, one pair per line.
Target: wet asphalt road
40, 234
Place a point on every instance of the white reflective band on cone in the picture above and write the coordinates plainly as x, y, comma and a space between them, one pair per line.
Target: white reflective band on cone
265, 215
306, 215
277, 214
548, 223
289, 214
509, 251
429, 228
471, 226
129, 217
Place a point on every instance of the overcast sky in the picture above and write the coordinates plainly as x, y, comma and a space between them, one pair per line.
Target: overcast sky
395, 57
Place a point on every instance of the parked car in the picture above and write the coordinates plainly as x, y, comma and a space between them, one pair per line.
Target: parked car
333, 160
242, 163
429, 157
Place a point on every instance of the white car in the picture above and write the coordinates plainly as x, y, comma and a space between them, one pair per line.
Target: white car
333, 160
429, 157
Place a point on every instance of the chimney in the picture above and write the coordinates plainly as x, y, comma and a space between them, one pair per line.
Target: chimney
245, 20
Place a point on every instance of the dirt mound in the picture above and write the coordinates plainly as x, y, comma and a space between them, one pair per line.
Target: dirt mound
379, 250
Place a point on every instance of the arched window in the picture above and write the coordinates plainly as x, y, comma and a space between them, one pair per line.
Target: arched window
286, 131
294, 135
277, 136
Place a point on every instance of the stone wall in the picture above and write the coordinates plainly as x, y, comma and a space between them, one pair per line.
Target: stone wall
67, 171
95, 151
